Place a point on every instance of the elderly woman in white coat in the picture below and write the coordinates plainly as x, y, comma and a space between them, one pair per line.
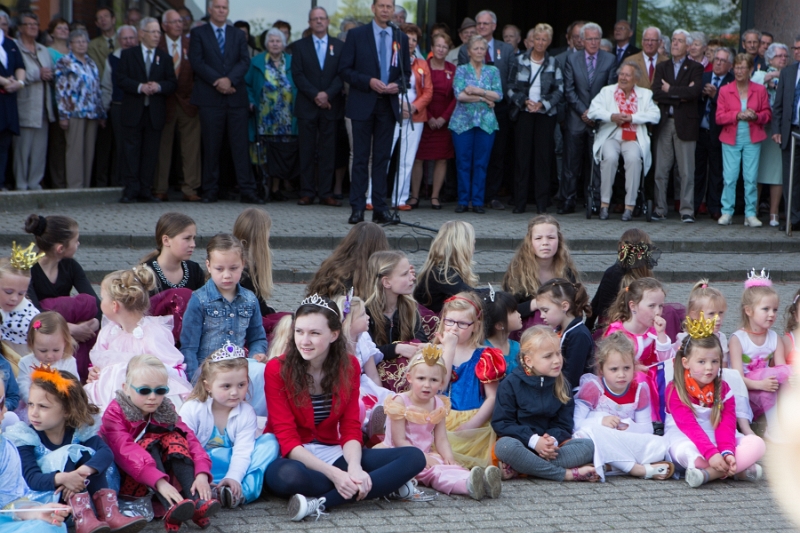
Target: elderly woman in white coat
623, 110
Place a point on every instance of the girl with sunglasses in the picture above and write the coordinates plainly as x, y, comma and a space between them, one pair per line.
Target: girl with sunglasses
152, 446
127, 333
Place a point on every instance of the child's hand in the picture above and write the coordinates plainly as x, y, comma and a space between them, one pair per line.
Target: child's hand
430, 461
405, 349
235, 486
731, 460
546, 447
86, 471
94, 374
55, 518
610, 421
201, 487
72, 481
344, 484
362, 481
260, 357
660, 325
534, 305
718, 463
769, 384
169, 492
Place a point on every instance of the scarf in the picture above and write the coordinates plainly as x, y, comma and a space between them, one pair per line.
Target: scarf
629, 106
704, 395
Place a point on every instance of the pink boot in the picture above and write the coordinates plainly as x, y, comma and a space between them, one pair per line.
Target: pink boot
105, 501
83, 514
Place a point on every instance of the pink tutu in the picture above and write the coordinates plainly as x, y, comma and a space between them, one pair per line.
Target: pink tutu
762, 401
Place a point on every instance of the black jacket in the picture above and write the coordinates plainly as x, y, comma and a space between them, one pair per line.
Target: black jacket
393, 333
713, 129
577, 348
526, 405
310, 79
606, 294
131, 72
439, 291
209, 65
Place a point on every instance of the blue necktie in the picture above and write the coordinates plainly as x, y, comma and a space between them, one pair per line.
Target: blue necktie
320, 54
221, 40
796, 104
590, 68
384, 59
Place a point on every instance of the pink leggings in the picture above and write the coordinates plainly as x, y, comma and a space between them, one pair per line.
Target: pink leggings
749, 449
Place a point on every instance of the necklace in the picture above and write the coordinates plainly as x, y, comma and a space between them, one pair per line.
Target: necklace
163, 279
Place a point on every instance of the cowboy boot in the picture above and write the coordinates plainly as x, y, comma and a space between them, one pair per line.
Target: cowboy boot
204, 510
83, 514
105, 501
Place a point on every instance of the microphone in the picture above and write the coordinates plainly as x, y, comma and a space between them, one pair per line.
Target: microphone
392, 24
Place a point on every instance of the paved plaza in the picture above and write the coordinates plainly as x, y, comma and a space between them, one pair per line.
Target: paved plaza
115, 236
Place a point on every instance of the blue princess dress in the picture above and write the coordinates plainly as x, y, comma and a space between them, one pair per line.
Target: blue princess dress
220, 449
13, 495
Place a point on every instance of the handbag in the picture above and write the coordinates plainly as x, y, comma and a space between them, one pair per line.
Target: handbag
513, 113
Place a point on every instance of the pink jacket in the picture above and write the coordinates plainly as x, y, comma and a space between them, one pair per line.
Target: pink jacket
729, 105
724, 433
123, 424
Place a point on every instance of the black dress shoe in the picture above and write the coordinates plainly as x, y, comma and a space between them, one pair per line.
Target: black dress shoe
148, 199
381, 217
795, 227
356, 217
566, 209
461, 208
518, 210
251, 199
479, 209
127, 200
209, 199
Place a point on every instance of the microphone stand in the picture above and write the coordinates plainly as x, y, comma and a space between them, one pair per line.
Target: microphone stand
394, 214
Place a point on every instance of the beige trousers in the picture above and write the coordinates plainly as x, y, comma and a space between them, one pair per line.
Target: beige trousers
189, 128
81, 136
670, 149
632, 155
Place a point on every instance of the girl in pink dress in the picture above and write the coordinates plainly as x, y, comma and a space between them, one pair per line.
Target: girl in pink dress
127, 332
418, 417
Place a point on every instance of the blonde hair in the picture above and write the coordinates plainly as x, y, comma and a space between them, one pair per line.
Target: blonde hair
356, 306
131, 288
6, 268
465, 301
252, 228
522, 276
208, 372
617, 342
679, 382
451, 250
50, 323
533, 341
142, 364
379, 266
281, 337
418, 360
750, 298
170, 225
620, 310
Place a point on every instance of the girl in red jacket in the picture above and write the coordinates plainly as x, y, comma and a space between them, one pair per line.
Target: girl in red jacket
312, 398
155, 449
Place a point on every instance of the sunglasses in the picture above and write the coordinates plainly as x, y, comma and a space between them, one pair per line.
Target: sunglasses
147, 391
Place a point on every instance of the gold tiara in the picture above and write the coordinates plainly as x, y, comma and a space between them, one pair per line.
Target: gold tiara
431, 353
701, 328
23, 259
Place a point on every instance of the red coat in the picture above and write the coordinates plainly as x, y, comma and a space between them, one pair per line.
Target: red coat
729, 105
294, 426
119, 433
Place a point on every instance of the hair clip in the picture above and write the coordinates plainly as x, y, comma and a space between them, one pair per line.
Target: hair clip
319, 301
347, 299
37, 324
24, 258
796, 296
704, 286
700, 328
491, 293
637, 255
228, 351
47, 373
755, 279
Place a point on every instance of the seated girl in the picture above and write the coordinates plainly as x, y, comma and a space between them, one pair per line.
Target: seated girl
16, 309
50, 344
501, 319
172, 259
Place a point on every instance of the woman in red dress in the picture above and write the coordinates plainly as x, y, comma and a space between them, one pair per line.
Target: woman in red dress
437, 141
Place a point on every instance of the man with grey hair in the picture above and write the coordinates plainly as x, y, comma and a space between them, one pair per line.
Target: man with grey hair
400, 15
501, 55
648, 58
751, 41
677, 87
465, 33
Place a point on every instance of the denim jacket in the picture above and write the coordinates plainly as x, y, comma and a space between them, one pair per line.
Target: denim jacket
210, 320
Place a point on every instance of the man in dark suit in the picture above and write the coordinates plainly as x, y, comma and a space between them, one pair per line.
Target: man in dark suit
220, 59
622, 39
785, 121
585, 73
318, 107
574, 43
371, 63
677, 86
145, 75
181, 114
708, 153
502, 56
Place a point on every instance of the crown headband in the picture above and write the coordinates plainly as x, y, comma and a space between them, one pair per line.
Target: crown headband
227, 352
637, 255
755, 279
319, 301
431, 355
47, 373
701, 328
24, 259
457, 297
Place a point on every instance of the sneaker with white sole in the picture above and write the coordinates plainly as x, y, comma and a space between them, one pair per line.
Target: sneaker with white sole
752, 473
301, 507
493, 479
725, 220
696, 477
408, 492
753, 222
475, 483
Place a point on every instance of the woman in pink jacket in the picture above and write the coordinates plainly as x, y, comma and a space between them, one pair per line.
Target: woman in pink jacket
742, 111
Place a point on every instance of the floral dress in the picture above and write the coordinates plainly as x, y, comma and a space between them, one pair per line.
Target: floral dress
277, 104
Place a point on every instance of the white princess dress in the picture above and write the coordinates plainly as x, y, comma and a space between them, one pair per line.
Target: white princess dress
619, 448
115, 347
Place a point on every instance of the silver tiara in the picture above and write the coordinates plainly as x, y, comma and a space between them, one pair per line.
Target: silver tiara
228, 351
319, 301
491, 293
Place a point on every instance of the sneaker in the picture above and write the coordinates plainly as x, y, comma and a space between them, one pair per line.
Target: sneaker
301, 507
493, 480
753, 222
409, 492
696, 477
627, 216
687, 219
658, 217
603, 213
476, 483
725, 220
773, 221
753, 473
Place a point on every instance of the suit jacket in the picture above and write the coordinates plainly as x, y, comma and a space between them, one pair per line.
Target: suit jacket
131, 72
9, 117
629, 51
640, 61
713, 129
577, 90
729, 105
310, 79
504, 59
99, 52
183, 94
682, 97
782, 110
209, 65
359, 64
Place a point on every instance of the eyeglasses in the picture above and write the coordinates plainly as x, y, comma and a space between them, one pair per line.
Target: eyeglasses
591, 39
147, 391
318, 19
795, 47
156, 32
461, 325
650, 40
484, 23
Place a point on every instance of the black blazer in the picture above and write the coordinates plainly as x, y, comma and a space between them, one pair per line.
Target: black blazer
631, 50
683, 95
9, 117
131, 72
782, 110
713, 129
359, 64
310, 79
209, 65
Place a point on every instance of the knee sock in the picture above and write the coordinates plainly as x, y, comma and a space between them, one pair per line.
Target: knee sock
749, 450
184, 472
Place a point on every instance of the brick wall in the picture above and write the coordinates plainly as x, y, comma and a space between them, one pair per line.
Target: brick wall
779, 17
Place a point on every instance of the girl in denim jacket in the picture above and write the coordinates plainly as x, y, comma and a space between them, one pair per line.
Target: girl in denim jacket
222, 310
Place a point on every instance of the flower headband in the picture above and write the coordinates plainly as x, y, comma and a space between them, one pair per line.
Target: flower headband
637, 255
46, 373
456, 297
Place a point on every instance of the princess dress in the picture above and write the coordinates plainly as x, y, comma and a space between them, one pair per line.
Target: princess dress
473, 447
755, 363
370, 393
115, 348
621, 449
449, 479
220, 449
793, 354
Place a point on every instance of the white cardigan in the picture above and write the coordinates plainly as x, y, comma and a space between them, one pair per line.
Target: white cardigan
241, 430
603, 106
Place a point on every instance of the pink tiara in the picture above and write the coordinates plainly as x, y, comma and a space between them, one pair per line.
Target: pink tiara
755, 279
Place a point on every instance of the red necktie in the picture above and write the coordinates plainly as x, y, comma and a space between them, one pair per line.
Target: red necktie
650, 71
488, 58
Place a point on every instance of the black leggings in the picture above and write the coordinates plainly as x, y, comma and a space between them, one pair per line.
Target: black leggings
180, 468
389, 468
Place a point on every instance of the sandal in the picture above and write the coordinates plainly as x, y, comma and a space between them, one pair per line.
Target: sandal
591, 477
436, 205
660, 468
415, 204
506, 472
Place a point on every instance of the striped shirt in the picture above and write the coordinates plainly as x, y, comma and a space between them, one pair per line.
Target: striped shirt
321, 403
